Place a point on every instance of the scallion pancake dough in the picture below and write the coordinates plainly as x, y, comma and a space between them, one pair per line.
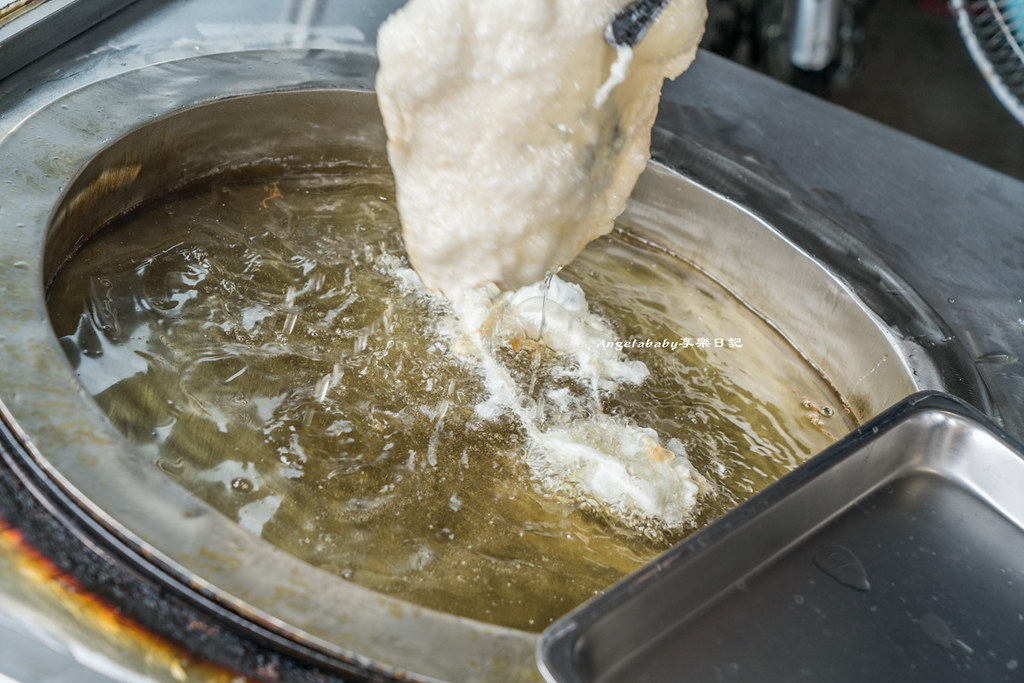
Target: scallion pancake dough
515, 131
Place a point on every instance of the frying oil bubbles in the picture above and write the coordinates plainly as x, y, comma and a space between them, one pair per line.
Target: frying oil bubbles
266, 345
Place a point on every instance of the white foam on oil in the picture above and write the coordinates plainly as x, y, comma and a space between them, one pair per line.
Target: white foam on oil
600, 461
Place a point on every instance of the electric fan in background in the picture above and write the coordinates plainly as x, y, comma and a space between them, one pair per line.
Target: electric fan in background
994, 33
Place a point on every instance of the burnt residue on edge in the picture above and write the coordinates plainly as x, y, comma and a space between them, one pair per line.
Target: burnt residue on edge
157, 607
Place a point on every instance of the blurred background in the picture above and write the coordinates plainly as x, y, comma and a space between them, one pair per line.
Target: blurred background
901, 62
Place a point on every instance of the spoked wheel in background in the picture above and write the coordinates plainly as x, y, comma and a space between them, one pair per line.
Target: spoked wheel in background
994, 33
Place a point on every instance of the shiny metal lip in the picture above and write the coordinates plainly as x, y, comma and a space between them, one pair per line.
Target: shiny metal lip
93, 153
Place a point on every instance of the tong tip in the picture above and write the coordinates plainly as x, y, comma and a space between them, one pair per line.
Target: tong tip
631, 23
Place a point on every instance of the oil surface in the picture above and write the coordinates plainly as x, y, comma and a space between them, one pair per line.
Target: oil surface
263, 344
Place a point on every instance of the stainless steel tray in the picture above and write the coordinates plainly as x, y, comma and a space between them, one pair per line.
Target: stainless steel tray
896, 555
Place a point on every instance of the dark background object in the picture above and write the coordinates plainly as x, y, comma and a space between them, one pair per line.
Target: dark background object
900, 62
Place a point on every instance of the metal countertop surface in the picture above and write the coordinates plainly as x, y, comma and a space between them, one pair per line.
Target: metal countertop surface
951, 229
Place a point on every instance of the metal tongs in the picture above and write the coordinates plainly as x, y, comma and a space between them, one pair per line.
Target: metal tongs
630, 23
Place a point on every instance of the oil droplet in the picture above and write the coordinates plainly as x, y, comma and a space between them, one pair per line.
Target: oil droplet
842, 565
241, 485
825, 411
939, 632
997, 358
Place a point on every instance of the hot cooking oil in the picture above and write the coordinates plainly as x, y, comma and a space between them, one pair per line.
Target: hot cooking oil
265, 344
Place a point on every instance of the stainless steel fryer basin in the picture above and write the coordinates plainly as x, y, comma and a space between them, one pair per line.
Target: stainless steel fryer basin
100, 150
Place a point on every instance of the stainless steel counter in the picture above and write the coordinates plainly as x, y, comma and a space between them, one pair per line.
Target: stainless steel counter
890, 213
